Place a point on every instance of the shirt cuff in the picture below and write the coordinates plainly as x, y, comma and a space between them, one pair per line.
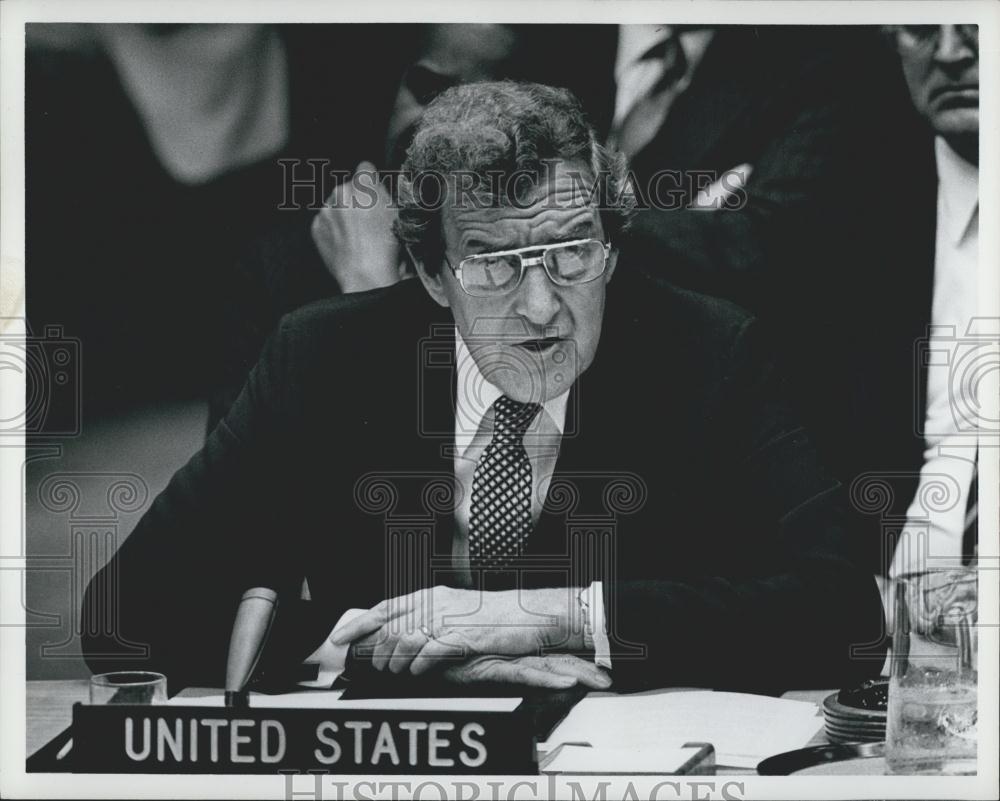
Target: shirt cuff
595, 610
330, 658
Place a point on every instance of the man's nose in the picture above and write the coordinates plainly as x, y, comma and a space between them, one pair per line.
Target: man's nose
537, 298
952, 45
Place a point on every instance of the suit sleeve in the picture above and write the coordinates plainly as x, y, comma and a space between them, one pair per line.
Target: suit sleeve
277, 273
796, 618
167, 598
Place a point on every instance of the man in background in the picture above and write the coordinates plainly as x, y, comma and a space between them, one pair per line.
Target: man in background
941, 66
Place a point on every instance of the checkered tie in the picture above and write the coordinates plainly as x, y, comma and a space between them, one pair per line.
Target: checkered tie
500, 521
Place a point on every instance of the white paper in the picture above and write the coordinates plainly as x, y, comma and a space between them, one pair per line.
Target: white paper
330, 658
744, 728
661, 759
330, 699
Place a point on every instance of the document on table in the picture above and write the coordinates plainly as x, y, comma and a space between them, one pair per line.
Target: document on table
330, 699
744, 728
659, 759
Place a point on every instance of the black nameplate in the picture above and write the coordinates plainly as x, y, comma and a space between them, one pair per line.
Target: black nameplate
188, 739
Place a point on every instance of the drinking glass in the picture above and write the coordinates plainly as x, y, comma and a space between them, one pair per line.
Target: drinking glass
931, 724
128, 687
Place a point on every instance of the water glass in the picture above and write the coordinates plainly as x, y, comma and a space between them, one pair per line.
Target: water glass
933, 706
140, 687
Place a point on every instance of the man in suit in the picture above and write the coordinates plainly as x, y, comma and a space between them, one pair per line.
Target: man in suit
787, 109
832, 239
890, 414
936, 493
518, 472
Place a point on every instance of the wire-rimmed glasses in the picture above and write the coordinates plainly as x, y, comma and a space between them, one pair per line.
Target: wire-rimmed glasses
486, 275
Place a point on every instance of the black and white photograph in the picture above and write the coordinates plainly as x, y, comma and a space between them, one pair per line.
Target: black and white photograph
571, 400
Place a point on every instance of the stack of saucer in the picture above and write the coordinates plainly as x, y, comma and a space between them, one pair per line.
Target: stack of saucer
857, 715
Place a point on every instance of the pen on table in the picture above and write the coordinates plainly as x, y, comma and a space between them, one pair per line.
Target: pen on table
250, 630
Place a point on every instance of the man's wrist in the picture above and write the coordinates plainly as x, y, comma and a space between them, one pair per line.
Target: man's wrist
587, 615
567, 632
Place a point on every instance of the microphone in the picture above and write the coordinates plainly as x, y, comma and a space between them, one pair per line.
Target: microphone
250, 631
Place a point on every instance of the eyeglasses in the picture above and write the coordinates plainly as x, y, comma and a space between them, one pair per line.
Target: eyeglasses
487, 275
923, 36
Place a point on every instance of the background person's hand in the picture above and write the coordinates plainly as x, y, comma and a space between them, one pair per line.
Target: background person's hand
463, 624
722, 193
353, 233
556, 672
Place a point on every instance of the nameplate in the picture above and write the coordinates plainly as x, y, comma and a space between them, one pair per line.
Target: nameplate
178, 739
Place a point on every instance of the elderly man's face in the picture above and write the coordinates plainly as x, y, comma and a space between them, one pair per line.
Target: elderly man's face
534, 342
941, 65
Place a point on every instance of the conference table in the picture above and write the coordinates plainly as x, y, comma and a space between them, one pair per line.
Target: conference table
49, 710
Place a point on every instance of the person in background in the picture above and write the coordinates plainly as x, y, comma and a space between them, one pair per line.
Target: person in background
152, 158
354, 238
830, 228
775, 114
941, 66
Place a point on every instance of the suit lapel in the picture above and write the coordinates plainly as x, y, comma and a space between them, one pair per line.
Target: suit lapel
589, 447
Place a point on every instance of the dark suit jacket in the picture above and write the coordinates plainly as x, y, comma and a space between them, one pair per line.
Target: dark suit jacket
834, 248
865, 385
804, 107
718, 535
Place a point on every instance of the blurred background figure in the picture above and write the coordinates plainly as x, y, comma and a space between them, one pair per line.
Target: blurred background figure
819, 227
941, 66
211, 98
152, 158
784, 111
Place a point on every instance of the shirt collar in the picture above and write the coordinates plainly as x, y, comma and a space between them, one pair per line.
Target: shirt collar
958, 191
475, 395
634, 41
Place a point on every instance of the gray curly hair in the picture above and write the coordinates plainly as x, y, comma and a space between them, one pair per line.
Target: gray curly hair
477, 132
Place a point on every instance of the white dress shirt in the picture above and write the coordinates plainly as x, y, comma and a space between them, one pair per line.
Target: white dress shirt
936, 517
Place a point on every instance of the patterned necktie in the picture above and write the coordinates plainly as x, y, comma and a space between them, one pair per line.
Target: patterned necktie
500, 520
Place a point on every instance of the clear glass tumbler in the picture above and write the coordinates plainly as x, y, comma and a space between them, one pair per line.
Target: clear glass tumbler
139, 687
933, 705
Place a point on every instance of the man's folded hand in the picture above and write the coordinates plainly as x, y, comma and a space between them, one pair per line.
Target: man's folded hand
556, 672
442, 626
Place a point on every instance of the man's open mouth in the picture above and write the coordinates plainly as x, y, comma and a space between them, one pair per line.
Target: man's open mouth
540, 345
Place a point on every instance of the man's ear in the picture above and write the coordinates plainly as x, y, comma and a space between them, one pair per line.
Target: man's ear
432, 283
609, 271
